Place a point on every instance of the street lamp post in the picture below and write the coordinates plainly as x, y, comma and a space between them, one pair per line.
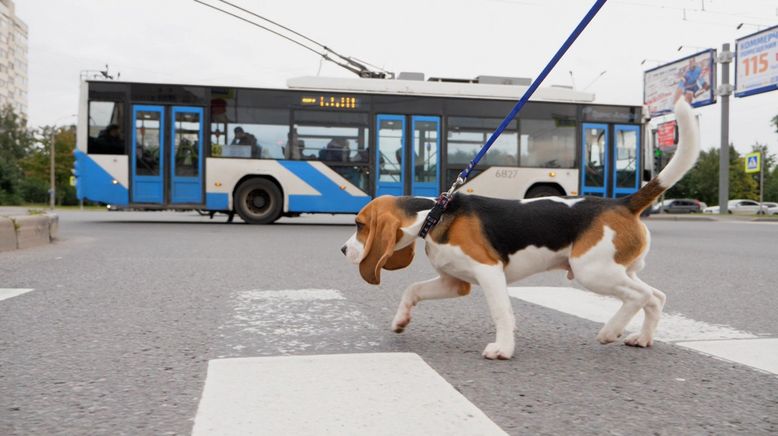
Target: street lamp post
52, 179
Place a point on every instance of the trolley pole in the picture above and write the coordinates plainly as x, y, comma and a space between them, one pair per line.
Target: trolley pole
725, 89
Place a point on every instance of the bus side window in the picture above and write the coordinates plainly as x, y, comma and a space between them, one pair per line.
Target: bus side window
106, 128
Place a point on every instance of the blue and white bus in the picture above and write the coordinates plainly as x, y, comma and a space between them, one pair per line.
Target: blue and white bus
329, 145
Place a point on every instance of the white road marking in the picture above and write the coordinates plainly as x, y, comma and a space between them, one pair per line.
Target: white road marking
346, 394
296, 320
758, 353
720, 341
12, 292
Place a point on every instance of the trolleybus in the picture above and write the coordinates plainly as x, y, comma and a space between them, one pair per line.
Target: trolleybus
329, 145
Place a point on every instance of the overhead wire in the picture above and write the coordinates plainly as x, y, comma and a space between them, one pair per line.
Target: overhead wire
260, 26
686, 9
349, 63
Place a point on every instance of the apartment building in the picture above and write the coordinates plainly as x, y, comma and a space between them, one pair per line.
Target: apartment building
13, 58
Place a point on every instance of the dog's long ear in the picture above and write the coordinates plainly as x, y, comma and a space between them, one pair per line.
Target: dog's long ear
383, 236
401, 258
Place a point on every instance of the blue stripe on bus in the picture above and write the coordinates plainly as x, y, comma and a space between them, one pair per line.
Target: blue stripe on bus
95, 184
217, 201
331, 198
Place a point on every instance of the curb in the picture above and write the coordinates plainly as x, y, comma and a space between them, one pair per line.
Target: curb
19, 232
7, 234
668, 217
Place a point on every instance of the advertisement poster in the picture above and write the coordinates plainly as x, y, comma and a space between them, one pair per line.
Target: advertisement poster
693, 78
665, 133
756, 70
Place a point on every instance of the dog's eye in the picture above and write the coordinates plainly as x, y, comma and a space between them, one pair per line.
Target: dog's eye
360, 226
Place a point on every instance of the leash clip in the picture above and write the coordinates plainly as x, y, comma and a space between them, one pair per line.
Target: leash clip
440, 206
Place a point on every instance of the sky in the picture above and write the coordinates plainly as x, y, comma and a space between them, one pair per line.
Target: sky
180, 41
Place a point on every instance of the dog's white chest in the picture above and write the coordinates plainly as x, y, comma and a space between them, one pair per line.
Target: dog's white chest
451, 260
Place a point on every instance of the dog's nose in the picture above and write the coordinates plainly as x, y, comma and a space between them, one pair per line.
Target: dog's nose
343, 250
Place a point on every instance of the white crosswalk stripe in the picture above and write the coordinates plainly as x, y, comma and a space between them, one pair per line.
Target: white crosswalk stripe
323, 394
6, 293
347, 394
294, 321
719, 341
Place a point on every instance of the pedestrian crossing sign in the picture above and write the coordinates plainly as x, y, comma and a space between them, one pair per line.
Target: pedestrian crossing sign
753, 162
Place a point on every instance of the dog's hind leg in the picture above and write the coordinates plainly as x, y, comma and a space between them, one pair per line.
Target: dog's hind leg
443, 286
653, 311
608, 278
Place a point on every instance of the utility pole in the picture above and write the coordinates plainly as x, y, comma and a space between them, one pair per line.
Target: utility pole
52, 179
725, 89
761, 180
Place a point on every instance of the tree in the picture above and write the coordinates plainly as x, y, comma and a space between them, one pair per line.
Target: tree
37, 165
702, 181
15, 141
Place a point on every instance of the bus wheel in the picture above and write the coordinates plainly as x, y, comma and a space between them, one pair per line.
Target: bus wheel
258, 201
543, 191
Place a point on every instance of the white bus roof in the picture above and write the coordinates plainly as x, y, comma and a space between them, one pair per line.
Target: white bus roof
440, 89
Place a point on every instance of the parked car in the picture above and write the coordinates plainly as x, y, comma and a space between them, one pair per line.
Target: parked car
740, 206
678, 205
772, 210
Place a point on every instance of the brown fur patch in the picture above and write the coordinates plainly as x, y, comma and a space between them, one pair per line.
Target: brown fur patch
630, 238
464, 288
466, 232
645, 196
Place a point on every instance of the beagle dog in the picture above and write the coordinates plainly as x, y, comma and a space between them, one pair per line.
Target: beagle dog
493, 242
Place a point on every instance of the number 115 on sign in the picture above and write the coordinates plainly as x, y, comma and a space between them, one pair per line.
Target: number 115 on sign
756, 64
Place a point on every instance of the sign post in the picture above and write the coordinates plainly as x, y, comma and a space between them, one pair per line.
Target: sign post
755, 164
725, 89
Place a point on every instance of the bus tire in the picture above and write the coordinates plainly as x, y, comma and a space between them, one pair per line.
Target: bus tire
258, 201
543, 191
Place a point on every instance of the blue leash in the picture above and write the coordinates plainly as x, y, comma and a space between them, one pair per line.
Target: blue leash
442, 202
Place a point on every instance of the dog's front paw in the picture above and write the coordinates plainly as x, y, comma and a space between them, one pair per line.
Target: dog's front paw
400, 322
639, 340
606, 336
498, 351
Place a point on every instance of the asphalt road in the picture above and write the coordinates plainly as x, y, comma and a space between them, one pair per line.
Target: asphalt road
128, 308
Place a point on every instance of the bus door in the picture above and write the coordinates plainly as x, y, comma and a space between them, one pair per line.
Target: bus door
408, 155
626, 159
148, 157
186, 155
167, 162
610, 162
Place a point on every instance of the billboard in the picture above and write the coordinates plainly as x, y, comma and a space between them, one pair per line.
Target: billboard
693, 77
665, 134
756, 70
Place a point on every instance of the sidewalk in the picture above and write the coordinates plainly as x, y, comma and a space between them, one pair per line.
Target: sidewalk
711, 217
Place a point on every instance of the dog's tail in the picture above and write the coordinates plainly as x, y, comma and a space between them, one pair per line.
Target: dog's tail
685, 156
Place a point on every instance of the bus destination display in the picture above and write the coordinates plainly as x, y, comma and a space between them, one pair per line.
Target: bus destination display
330, 101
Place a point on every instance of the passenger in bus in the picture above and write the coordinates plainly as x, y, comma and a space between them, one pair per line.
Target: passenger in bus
186, 158
295, 147
362, 155
243, 138
108, 141
337, 151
